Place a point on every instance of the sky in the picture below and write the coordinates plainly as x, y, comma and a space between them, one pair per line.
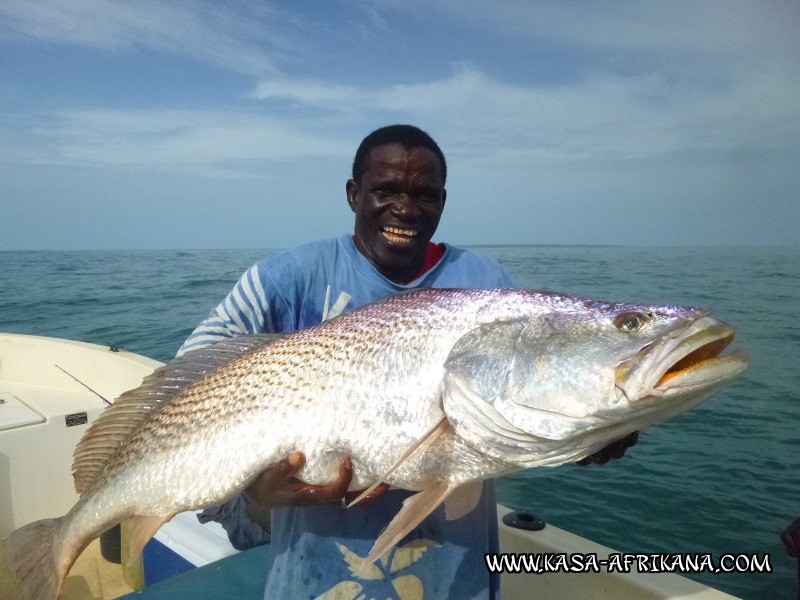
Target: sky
232, 124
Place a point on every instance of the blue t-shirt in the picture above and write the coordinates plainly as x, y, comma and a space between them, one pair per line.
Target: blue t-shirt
316, 551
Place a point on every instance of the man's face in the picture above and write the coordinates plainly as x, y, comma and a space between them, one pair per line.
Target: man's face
397, 204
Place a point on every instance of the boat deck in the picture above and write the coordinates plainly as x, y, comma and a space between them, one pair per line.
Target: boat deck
92, 578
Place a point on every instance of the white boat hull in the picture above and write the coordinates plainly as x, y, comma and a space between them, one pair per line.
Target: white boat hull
44, 413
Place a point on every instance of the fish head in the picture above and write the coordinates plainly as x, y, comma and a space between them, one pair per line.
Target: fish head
558, 385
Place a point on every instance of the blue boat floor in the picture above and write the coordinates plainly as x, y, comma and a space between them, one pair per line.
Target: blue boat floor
241, 576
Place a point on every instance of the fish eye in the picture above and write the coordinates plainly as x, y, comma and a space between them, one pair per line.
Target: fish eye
629, 321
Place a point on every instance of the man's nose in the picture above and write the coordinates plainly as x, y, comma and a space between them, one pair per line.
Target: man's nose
405, 206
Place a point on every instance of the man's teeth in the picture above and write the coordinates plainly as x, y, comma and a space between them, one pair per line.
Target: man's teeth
395, 231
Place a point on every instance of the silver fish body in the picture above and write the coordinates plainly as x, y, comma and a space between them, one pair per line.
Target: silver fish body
431, 390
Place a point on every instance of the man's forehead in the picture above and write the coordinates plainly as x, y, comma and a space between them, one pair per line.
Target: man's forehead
394, 158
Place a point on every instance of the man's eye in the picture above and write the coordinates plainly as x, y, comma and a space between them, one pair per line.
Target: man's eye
428, 197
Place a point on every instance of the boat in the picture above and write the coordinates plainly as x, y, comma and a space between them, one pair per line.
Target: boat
52, 389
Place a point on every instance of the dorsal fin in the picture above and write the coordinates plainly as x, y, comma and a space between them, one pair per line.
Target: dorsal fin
102, 440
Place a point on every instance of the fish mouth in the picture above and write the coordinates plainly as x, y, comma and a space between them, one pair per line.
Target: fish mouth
704, 356
692, 359
399, 235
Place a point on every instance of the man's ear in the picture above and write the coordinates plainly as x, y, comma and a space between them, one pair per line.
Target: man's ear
352, 194
444, 197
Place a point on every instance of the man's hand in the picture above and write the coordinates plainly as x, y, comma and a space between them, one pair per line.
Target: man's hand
277, 486
791, 538
614, 450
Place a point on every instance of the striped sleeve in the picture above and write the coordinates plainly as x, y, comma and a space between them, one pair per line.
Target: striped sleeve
245, 310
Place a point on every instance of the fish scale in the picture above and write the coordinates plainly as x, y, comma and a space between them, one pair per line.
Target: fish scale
431, 391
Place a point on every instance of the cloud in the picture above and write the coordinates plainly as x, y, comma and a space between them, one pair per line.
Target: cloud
163, 140
199, 30
478, 118
308, 92
622, 118
705, 92
687, 26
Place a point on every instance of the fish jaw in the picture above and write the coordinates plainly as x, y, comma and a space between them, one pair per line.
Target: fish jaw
687, 363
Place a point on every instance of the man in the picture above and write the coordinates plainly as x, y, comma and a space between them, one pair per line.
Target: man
791, 539
397, 193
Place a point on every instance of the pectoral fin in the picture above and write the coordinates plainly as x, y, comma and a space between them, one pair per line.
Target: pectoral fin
141, 528
434, 433
414, 511
463, 500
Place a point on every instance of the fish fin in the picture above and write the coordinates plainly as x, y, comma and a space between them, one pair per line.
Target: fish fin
415, 509
357, 567
102, 440
31, 555
434, 433
141, 528
463, 500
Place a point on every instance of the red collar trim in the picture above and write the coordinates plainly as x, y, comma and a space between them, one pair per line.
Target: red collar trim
433, 255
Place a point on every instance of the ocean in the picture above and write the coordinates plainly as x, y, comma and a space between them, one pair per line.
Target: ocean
721, 479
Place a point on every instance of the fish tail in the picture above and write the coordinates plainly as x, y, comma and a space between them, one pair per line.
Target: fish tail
31, 554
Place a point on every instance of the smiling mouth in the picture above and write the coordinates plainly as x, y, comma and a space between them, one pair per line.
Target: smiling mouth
399, 236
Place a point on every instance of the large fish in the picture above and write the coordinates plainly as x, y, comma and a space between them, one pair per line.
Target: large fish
433, 391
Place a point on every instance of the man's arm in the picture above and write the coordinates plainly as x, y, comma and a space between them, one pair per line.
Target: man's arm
278, 487
245, 517
613, 450
791, 538
244, 310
